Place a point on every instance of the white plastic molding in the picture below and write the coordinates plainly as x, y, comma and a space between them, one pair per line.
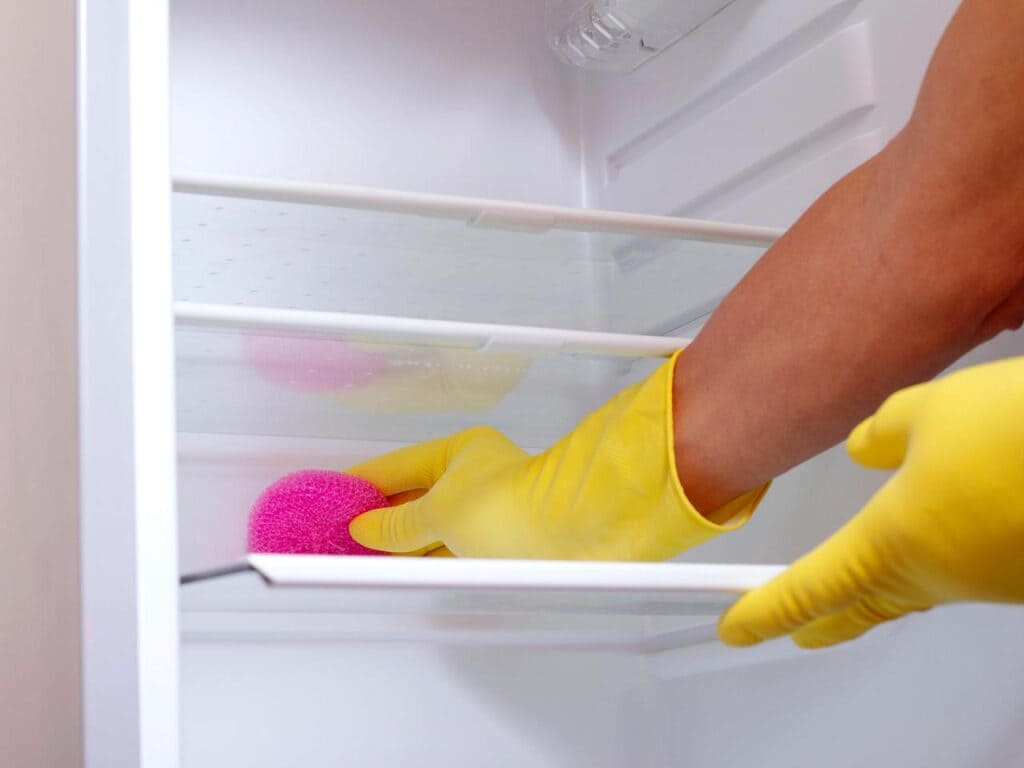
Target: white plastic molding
639, 607
375, 329
475, 211
699, 581
314, 247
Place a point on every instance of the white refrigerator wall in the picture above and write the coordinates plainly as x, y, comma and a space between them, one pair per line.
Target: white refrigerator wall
323, 704
748, 118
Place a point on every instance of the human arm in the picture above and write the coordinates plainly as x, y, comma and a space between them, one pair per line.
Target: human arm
894, 273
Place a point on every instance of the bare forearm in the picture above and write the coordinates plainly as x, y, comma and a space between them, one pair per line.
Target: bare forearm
894, 273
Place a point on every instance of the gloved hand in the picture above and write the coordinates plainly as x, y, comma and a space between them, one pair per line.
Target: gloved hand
948, 526
607, 491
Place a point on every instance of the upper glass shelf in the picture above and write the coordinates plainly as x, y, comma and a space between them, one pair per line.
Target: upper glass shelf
342, 249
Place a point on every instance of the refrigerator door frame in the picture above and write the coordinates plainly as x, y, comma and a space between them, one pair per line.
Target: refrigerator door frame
127, 514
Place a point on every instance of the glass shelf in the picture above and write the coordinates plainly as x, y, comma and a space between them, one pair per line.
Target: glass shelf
644, 606
255, 371
326, 311
342, 249
380, 318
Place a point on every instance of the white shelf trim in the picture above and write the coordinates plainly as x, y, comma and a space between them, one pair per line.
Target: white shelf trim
434, 573
475, 211
643, 608
380, 329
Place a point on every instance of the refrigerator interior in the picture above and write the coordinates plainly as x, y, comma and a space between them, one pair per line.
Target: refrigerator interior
383, 233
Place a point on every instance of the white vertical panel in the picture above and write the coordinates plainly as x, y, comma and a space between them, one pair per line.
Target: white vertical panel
127, 443
153, 383
109, 581
40, 672
769, 199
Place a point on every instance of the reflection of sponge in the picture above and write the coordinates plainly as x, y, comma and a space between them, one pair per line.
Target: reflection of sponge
425, 380
312, 364
308, 513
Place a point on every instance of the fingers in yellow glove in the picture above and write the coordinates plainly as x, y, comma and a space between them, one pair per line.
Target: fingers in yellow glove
403, 490
415, 467
948, 526
880, 441
406, 527
820, 593
850, 623
440, 552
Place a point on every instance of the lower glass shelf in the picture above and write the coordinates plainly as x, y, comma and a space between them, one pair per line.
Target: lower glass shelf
630, 606
664, 613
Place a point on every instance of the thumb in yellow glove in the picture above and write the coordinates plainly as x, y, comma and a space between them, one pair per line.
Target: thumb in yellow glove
607, 491
948, 526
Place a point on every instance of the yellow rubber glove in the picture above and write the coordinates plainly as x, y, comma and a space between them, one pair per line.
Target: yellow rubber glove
948, 526
607, 491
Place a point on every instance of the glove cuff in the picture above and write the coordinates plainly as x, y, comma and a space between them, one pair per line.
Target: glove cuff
736, 513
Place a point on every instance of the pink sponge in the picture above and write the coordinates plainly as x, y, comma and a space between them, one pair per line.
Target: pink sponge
308, 512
